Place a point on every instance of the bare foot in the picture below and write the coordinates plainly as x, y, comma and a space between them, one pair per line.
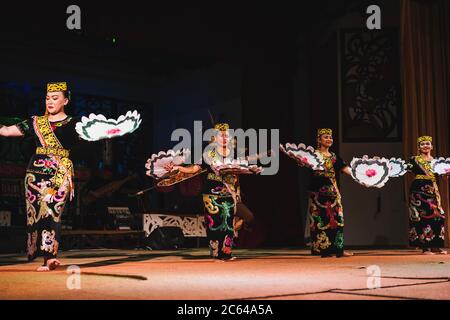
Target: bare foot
226, 259
348, 254
43, 269
53, 264
439, 251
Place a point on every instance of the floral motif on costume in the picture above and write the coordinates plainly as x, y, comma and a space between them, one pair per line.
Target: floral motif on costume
214, 248
225, 208
328, 191
227, 245
442, 234
322, 242
44, 211
332, 207
32, 244
414, 204
429, 190
427, 234
413, 234
31, 214
209, 205
49, 242
220, 191
427, 200
209, 221
48, 165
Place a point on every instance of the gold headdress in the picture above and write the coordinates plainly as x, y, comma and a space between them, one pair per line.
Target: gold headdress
56, 86
322, 131
424, 138
222, 126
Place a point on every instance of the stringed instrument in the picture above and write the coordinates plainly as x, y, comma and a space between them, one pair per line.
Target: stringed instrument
106, 190
176, 177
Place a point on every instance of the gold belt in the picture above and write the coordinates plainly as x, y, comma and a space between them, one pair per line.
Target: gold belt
324, 174
425, 177
53, 151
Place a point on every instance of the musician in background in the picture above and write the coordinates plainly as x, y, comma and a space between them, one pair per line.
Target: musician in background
102, 191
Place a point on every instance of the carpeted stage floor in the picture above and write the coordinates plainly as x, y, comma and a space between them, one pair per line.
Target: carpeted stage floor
257, 274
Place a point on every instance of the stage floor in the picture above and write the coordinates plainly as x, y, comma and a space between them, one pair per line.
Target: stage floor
257, 274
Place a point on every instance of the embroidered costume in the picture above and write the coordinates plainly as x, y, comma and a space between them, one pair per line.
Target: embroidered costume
426, 216
49, 175
325, 209
48, 182
221, 193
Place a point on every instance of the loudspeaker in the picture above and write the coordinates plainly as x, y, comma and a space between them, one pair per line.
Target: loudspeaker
121, 218
165, 238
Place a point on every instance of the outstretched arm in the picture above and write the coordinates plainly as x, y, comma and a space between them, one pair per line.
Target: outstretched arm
346, 170
11, 131
190, 169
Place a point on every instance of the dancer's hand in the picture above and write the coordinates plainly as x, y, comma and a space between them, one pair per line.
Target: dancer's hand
169, 166
11, 131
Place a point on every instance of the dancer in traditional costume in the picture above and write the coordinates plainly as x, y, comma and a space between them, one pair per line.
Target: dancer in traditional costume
221, 193
426, 215
49, 175
427, 218
325, 203
221, 189
325, 209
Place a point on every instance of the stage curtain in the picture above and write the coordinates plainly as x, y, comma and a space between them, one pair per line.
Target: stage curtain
425, 68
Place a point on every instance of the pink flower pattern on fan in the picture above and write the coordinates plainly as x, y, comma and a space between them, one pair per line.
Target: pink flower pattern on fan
370, 173
113, 131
